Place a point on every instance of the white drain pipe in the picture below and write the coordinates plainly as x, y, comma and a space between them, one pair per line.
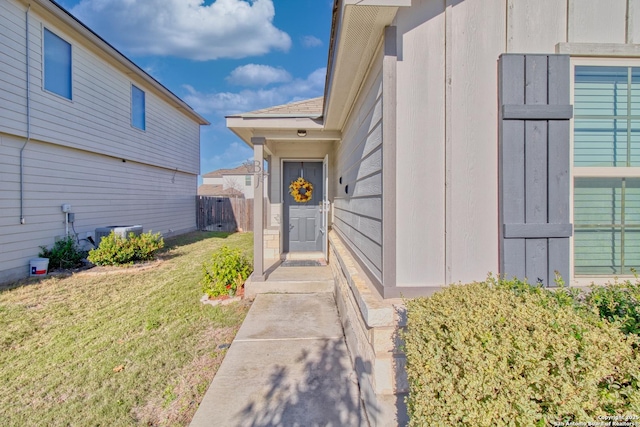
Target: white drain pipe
22, 219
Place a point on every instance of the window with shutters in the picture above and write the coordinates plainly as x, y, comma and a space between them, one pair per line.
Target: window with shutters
606, 169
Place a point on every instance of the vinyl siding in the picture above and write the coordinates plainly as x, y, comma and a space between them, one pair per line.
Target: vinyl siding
98, 118
358, 213
85, 152
101, 190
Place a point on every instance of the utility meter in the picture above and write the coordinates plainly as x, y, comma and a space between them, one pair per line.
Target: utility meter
66, 208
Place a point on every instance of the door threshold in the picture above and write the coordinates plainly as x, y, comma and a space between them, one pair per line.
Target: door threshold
290, 256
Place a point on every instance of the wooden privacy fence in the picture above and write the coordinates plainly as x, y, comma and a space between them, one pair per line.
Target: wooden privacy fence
224, 213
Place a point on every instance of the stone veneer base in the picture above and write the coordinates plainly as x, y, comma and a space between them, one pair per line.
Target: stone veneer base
371, 327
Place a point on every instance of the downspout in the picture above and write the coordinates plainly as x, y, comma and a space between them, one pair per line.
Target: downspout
22, 219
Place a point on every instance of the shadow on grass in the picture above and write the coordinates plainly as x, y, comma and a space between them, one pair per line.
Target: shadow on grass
324, 392
193, 237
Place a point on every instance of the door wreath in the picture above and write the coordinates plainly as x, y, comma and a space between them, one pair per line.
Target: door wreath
301, 190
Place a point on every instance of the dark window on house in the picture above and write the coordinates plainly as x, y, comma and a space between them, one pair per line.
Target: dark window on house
138, 108
247, 180
57, 65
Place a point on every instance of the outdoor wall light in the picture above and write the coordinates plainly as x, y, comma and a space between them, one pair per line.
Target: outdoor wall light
302, 133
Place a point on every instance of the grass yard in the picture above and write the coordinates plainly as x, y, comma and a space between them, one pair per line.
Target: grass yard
133, 347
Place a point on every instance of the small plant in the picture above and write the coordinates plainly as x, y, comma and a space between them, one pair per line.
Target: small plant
225, 273
118, 250
64, 254
619, 303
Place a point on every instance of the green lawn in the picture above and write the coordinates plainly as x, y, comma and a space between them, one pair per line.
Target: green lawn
133, 347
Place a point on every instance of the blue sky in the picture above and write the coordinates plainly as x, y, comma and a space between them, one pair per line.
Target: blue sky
221, 57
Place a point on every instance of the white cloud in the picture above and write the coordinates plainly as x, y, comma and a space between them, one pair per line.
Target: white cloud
234, 155
311, 41
186, 28
258, 75
228, 103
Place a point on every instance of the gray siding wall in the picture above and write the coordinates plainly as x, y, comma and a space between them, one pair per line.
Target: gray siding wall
101, 190
358, 213
85, 151
98, 119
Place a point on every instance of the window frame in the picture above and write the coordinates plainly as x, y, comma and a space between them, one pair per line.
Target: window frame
593, 172
248, 181
144, 108
44, 30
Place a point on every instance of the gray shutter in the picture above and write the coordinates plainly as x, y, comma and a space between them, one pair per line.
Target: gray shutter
534, 192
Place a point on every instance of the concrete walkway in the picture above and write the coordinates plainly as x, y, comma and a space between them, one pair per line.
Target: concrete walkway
288, 366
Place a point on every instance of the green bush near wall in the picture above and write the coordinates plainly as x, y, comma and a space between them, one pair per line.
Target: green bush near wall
618, 303
117, 250
505, 353
65, 253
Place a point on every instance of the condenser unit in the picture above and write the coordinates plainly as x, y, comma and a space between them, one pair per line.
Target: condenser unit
119, 230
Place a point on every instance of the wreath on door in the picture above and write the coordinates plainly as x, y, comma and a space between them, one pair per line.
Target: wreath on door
301, 190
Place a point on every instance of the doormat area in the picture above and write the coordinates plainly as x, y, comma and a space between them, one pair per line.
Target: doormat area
302, 263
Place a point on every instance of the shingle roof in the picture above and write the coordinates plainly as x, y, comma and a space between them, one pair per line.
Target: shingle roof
240, 170
217, 190
307, 107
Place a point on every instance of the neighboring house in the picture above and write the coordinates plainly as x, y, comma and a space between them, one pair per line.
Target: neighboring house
82, 125
228, 182
214, 190
454, 139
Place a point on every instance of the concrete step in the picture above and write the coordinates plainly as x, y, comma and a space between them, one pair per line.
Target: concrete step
251, 289
292, 280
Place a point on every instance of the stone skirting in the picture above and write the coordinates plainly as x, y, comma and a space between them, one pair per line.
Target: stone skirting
371, 327
271, 244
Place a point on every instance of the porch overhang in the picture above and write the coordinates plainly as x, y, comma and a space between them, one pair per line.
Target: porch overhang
293, 128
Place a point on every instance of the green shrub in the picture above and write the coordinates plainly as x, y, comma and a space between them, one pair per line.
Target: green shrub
618, 303
225, 273
117, 250
489, 354
64, 254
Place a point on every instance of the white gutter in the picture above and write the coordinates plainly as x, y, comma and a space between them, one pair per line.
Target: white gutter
22, 219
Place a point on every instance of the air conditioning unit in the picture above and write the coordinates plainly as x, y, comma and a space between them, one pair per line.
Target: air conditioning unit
119, 230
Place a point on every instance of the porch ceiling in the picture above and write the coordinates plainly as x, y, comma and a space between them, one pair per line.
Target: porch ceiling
280, 129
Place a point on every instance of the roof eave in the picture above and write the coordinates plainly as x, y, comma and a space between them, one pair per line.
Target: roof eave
351, 51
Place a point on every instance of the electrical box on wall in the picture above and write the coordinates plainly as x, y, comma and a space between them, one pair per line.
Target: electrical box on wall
66, 208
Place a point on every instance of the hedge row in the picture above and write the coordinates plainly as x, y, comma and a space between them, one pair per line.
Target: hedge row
504, 353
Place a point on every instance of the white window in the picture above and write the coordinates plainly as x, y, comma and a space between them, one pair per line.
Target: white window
606, 170
137, 108
247, 180
57, 65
